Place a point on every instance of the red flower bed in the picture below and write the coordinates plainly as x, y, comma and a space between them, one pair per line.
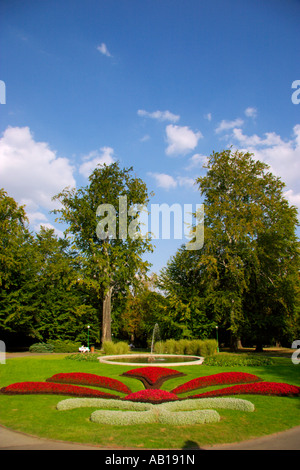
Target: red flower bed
89, 379
153, 377
216, 379
24, 388
151, 396
258, 388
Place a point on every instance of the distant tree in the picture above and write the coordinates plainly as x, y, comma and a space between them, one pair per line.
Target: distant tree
106, 261
188, 312
144, 307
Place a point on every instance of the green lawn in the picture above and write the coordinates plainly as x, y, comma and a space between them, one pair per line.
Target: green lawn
37, 414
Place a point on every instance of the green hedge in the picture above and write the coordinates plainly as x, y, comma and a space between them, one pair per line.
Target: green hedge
237, 360
194, 347
41, 348
65, 346
83, 357
57, 346
112, 349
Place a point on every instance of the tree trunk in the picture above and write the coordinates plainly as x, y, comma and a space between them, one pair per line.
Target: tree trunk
106, 316
259, 346
235, 343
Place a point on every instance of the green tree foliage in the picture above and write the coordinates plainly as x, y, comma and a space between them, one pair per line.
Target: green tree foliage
245, 278
39, 296
15, 256
144, 308
106, 262
188, 312
251, 248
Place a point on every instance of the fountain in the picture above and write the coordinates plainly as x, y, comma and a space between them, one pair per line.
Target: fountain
152, 358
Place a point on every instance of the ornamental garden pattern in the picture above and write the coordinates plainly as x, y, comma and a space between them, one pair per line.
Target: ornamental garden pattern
151, 404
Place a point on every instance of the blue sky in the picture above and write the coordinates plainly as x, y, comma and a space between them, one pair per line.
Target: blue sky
155, 84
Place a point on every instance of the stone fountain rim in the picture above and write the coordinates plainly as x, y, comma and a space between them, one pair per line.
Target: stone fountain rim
108, 360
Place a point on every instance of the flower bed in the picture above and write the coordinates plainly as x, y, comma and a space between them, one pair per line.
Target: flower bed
26, 388
89, 379
258, 388
123, 419
184, 418
178, 413
216, 379
106, 404
151, 396
153, 377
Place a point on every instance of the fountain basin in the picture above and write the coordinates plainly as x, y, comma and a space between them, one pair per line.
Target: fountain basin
152, 360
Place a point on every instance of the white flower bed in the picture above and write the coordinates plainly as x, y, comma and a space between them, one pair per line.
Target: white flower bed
182, 412
209, 403
103, 403
180, 418
122, 418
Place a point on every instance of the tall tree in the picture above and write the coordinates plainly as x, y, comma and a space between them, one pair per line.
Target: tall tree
109, 252
15, 265
251, 248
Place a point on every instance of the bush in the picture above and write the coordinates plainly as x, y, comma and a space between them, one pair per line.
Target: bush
41, 348
65, 346
87, 357
237, 360
122, 348
195, 347
112, 349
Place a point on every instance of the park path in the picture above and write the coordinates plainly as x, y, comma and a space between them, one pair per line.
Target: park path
12, 440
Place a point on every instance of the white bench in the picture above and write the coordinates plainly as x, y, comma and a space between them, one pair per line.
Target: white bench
84, 349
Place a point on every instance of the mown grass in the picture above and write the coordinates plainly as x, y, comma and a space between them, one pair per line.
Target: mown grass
37, 414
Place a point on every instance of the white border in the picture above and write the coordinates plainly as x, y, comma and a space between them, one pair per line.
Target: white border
107, 360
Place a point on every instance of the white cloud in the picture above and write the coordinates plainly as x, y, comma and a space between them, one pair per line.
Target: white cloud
181, 140
164, 181
196, 161
208, 116
95, 158
186, 182
283, 157
31, 172
251, 112
167, 182
103, 49
294, 199
159, 115
225, 125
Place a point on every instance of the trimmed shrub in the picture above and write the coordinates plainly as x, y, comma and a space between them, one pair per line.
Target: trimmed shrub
41, 348
194, 347
65, 346
122, 348
112, 349
87, 357
237, 360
